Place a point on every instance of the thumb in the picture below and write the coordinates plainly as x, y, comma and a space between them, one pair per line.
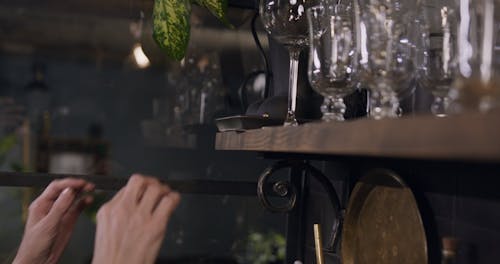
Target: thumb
61, 205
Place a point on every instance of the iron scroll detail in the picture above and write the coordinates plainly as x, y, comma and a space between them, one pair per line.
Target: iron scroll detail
286, 190
280, 188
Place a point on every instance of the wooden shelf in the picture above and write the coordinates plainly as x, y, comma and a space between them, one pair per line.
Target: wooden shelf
470, 136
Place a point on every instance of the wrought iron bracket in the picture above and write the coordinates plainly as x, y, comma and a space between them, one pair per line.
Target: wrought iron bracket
286, 190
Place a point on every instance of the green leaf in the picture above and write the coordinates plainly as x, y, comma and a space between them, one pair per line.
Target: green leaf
171, 26
6, 143
218, 8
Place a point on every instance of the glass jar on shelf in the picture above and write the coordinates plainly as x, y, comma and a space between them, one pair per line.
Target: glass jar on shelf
386, 62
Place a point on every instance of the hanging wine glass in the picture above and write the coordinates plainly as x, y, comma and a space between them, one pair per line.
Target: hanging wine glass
332, 56
285, 21
439, 70
386, 64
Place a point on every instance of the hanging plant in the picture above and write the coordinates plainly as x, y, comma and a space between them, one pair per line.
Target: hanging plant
171, 27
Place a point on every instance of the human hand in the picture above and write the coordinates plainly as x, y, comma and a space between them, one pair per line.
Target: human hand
131, 227
51, 219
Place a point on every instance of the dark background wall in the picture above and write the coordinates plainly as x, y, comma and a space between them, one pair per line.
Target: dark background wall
456, 199
118, 99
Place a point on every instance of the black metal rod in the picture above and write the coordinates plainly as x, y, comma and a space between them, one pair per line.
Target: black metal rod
209, 187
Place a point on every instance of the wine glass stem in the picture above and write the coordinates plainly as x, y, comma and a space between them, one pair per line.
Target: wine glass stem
290, 119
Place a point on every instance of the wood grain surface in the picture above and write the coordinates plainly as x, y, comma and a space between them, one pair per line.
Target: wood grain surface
469, 136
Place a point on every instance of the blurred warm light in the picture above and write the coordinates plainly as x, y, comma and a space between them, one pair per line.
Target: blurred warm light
140, 58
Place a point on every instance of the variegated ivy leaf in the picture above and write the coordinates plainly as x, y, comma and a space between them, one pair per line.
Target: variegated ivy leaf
218, 8
171, 26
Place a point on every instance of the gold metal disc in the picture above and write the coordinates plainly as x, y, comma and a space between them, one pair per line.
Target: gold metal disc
383, 224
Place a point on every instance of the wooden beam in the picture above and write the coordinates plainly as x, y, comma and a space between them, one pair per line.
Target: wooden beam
29, 30
126, 9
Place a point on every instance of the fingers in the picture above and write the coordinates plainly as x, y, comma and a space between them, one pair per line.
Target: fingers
61, 205
118, 196
56, 187
167, 206
76, 208
152, 196
89, 187
136, 186
148, 193
81, 201
41, 206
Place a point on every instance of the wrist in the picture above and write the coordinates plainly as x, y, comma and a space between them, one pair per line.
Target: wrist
19, 259
103, 259
24, 256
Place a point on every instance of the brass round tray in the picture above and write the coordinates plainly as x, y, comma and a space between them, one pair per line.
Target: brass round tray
383, 223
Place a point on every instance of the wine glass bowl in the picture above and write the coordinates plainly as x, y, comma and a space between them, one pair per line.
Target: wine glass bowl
441, 72
332, 61
438, 72
285, 21
386, 63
